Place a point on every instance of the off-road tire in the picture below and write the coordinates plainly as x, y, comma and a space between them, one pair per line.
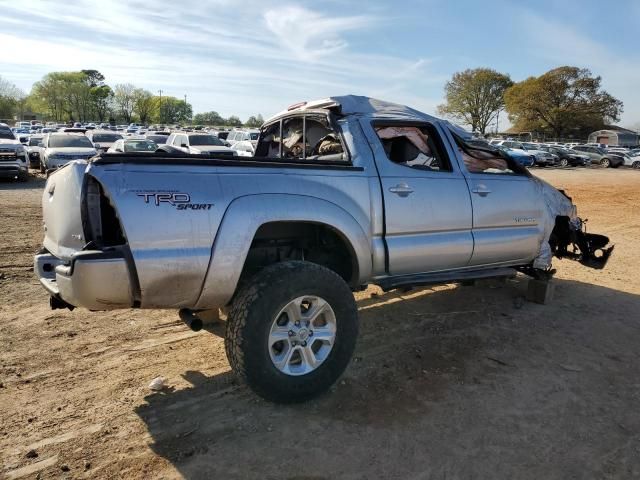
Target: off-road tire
253, 311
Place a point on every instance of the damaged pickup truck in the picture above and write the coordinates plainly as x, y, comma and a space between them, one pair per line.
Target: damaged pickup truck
341, 193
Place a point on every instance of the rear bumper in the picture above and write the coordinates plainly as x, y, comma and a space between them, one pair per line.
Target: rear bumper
91, 279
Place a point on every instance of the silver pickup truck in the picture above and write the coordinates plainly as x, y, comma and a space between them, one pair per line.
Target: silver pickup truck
341, 193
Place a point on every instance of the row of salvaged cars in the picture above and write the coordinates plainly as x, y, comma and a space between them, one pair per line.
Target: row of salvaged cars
50, 151
564, 155
60, 145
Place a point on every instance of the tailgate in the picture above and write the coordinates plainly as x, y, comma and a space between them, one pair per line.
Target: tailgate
61, 210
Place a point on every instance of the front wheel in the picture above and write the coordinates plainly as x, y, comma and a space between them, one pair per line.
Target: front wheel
564, 162
291, 331
605, 162
636, 164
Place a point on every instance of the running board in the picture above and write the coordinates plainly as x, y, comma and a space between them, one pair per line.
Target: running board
389, 283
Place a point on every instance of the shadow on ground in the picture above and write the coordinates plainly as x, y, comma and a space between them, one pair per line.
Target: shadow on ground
463, 382
34, 181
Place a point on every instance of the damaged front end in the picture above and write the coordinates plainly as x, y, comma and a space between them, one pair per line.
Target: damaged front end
569, 239
565, 235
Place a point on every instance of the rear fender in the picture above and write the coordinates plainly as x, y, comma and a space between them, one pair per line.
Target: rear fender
243, 218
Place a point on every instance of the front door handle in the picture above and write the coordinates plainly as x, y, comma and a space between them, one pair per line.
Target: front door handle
481, 190
402, 190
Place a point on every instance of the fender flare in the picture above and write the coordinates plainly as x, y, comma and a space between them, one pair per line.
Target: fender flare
246, 214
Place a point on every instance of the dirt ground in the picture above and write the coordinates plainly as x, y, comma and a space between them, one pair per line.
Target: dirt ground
447, 382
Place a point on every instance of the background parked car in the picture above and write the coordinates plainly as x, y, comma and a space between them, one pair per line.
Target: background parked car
34, 149
103, 140
197, 143
131, 145
523, 158
160, 137
600, 156
13, 156
61, 148
569, 157
236, 136
542, 158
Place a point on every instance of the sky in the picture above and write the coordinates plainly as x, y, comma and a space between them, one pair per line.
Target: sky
248, 57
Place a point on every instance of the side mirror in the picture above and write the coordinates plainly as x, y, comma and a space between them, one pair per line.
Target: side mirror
184, 145
97, 146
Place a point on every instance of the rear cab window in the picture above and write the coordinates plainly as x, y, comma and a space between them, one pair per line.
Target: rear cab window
310, 137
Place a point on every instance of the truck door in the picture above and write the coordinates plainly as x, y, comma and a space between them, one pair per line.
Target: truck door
507, 208
427, 207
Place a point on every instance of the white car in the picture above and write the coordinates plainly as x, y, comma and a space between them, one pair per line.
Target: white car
632, 160
197, 143
34, 149
103, 140
58, 149
132, 145
236, 136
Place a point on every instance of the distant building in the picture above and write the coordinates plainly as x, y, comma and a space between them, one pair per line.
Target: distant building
614, 135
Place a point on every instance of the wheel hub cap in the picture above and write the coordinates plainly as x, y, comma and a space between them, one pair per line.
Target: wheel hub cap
302, 335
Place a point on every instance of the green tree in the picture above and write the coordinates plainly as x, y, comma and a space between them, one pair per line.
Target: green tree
93, 77
234, 121
173, 110
102, 98
124, 100
254, 122
144, 104
475, 97
11, 98
208, 118
63, 95
563, 100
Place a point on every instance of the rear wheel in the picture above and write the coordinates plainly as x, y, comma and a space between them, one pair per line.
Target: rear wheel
291, 331
605, 162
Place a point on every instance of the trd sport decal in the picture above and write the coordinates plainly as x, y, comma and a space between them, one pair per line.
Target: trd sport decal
179, 200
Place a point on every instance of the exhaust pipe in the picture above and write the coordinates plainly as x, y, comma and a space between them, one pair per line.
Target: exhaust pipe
189, 317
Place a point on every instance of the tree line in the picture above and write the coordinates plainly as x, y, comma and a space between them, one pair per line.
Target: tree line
85, 96
565, 101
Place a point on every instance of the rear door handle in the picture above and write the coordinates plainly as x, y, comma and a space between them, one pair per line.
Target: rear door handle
481, 190
402, 190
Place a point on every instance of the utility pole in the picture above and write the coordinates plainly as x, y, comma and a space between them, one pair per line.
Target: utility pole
185, 106
160, 92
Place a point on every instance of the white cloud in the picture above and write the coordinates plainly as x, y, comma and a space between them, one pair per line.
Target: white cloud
242, 60
563, 44
310, 35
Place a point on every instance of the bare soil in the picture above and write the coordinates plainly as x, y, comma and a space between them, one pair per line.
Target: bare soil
447, 382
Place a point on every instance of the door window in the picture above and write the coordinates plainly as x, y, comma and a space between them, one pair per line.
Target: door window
487, 159
414, 147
